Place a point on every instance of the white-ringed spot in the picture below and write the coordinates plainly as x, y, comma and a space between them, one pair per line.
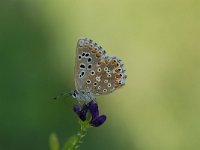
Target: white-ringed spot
87, 55
82, 66
79, 57
98, 79
83, 54
99, 69
88, 81
89, 66
109, 75
109, 85
82, 73
92, 72
106, 69
105, 90
105, 81
95, 83
86, 43
89, 59
81, 42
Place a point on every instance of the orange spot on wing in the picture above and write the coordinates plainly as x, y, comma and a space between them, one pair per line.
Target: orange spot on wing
116, 64
98, 54
118, 76
117, 85
94, 51
117, 70
100, 62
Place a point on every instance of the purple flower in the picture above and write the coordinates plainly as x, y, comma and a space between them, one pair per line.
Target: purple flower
96, 120
81, 113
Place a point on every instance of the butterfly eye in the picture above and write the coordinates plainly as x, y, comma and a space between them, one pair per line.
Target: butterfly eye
74, 95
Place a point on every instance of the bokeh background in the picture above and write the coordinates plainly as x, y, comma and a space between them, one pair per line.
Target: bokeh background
158, 40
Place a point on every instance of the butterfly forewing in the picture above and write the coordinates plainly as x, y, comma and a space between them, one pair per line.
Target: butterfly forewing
88, 53
94, 71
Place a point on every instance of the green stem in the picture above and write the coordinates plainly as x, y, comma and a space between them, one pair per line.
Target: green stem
81, 135
74, 141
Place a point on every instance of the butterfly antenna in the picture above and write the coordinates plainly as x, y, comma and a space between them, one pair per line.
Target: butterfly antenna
61, 95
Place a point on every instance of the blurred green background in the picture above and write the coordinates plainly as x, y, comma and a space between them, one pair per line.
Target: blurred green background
158, 40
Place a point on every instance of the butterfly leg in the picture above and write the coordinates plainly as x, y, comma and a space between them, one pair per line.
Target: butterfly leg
91, 98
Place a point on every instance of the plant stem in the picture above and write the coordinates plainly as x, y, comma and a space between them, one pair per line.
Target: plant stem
81, 134
73, 142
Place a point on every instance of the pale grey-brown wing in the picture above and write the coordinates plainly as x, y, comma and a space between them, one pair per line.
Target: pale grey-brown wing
88, 54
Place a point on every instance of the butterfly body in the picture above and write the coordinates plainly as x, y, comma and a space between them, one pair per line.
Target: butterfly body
95, 73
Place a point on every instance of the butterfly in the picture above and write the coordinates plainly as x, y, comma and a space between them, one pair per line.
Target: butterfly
96, 73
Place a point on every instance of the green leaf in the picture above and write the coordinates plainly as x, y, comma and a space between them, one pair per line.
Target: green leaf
53, 141
71, 143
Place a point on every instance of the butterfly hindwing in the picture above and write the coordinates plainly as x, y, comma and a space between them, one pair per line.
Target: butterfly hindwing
109, 76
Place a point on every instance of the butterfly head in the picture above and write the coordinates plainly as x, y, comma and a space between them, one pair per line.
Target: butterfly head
82, 95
